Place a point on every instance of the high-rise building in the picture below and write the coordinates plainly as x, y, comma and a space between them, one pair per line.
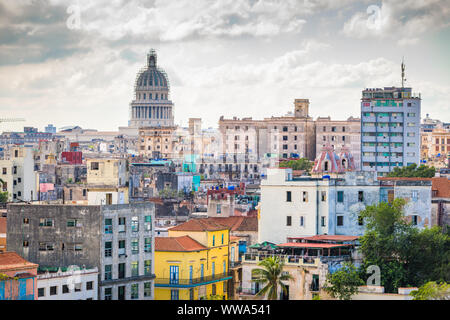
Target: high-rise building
390, 129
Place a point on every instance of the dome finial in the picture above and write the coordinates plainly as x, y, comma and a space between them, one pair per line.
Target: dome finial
151, 58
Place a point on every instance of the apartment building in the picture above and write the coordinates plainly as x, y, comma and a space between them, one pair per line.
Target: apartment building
339, 134
18, 175
307, 206
70, 283
18, 281
192, 263
107, 180
118, 240
390, 129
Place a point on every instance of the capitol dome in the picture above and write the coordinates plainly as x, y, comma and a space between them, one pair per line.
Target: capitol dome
152, 76
151, 105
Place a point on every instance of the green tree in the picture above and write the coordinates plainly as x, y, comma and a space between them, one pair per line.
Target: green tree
344, 283
272, 276
300, 164
412, 171
3, 197
405, 255
432, 291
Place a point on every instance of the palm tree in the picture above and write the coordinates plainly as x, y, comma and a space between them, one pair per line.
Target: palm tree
272, 276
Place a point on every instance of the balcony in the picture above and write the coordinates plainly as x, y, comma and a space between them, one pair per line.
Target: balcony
291, 260
189, 283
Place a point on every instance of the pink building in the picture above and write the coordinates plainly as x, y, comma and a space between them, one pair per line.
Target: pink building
18, 277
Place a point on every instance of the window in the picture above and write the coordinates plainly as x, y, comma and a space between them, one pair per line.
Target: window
147, 267
53, 290
77, 287
25, 244
414, 220
324, 196
288, 196
214, 241
340, 220
65, 288
121, 270
222, 237
134, 268
134, 224
122, 222
147, 289
173, 294
191, 294
322, 221
108, 293
302, 221
78, 247
108, 249
41, 292
414, 195
4, 171
121, 247
73, 223
360, 220
94, 165
45, 222
214, 290
340, 196
108, 272
26, 221
89, 285
147, 244
305, 196
108, 226
289, 220
135, 291
134, 246
219, 209
360, 196
148, 223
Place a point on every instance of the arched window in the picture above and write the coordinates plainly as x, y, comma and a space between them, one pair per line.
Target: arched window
325, 166
344, 163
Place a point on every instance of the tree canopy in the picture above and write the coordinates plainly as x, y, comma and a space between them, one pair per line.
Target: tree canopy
432, 291
406, 255
272, 276
412, 171
300, 164
343, 283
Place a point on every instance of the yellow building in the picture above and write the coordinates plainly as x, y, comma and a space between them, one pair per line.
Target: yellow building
192, 262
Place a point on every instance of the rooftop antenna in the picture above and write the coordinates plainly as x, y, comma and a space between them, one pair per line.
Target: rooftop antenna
403, 72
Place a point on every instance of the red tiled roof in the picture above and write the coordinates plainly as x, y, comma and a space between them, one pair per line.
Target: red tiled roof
312, 245
184, 243
327, 237
204, 224
238, 223
11, 260
442, 186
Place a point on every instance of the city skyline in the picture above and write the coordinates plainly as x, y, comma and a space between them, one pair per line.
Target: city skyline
75, 63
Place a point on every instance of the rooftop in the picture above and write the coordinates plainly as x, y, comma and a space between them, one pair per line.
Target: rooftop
178, 244
10, 260
203, 224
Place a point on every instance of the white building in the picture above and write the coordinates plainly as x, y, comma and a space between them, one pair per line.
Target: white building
305, 206
70, 284
18, 175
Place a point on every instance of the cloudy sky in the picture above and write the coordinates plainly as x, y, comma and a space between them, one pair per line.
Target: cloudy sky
74, 62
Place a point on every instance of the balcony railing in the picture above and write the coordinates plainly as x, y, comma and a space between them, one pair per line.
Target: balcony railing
288, 259
167, 282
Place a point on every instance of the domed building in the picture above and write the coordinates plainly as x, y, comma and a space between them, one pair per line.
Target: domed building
151, 106
328, 162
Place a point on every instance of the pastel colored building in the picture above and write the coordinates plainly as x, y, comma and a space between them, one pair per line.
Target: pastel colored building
192, 263
17, 277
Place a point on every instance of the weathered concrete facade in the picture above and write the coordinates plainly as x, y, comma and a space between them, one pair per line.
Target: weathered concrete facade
64, 235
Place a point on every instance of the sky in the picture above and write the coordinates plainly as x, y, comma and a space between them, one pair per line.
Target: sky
74, 62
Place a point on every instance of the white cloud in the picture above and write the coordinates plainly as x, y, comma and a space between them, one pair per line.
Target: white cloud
403, 20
